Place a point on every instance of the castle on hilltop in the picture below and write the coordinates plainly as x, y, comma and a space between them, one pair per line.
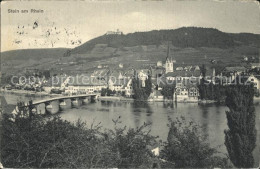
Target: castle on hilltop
117, 32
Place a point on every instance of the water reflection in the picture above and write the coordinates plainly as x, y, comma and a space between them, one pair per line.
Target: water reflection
168, 104
204, 119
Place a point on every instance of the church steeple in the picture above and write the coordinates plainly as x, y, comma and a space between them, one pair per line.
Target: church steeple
169, 61
168, 51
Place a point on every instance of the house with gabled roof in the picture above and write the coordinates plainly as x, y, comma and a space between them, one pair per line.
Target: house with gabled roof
186, 91
117, 84
183, 75
249, 79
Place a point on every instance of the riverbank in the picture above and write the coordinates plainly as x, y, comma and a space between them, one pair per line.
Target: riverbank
28, 93
118, 98
114, 98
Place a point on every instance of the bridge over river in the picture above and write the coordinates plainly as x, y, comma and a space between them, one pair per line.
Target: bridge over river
54, 105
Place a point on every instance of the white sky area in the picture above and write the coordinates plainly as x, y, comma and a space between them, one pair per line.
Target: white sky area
71, 23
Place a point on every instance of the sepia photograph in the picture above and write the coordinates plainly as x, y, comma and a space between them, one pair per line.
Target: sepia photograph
130, 84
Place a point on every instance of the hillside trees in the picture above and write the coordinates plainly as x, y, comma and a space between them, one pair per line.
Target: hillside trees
183, 37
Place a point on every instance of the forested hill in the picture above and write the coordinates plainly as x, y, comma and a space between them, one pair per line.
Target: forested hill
182, 37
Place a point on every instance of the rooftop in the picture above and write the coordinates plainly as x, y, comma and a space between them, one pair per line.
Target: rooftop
183, 73
236, 68
85, 80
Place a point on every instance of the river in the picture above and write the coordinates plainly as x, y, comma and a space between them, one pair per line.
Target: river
211, 117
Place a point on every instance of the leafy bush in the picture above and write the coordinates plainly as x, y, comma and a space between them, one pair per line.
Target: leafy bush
53, 142
48, 142
186, 146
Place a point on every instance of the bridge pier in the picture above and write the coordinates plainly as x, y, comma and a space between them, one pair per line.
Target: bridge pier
65, 104
86, 100
76, 102
41, 108
93, 98
53, 107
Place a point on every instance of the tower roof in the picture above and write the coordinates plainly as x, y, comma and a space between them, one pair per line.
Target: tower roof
169, 59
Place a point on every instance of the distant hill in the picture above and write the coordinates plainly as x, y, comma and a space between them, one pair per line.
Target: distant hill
186, 37
188, 45
33, 54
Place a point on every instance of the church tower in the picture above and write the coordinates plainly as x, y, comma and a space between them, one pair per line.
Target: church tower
169, 65
169, 62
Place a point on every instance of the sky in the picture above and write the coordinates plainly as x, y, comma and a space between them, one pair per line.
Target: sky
71, 23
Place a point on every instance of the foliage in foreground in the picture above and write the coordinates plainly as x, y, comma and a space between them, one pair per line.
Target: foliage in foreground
187, 147
240, 138
53, 142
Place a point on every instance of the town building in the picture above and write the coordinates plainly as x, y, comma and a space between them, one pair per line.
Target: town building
255, 80
121, 65
128, 89
100, 73
84, 84
233, 72
59, 82
142, 75
255, 65
249, 79
117, 84
245, 58
116, 74
186, 92
156, 95
183, 74
159, 64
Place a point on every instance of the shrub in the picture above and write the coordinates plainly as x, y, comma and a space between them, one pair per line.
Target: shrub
186, 146
53, 142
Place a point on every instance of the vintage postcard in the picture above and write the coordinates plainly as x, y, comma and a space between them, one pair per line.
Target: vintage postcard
130, 84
